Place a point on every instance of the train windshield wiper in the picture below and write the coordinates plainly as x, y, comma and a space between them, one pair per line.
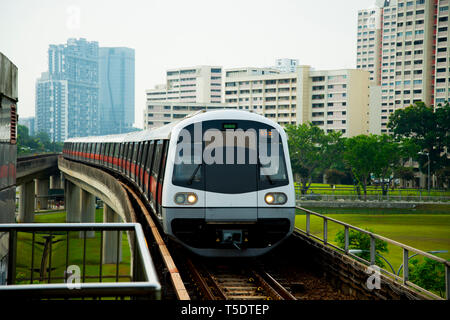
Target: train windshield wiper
263, 171
194, 174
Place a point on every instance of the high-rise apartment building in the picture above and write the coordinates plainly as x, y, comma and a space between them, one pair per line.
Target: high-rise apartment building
334, 100
186, 90
414, 53
158, 114
52, 107
202, 84
71, 88
116, 90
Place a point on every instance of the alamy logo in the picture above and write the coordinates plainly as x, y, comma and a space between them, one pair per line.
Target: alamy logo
374, 281
73, 279
230, 146
73, 19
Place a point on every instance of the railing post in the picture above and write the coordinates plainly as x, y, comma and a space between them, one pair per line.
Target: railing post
372, 250
447, 282
12, 257
325, 230
405, 266
307, 222
347, 240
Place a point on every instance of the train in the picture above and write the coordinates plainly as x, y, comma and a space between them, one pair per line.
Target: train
219, 183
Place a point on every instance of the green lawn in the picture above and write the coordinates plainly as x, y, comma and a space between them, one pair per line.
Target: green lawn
59, 249
425, 228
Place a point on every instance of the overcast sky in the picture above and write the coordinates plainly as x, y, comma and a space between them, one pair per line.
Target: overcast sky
170, 34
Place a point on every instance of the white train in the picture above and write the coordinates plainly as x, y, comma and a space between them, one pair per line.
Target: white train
219, 182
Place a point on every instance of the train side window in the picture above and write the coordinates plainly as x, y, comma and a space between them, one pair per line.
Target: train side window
155, 167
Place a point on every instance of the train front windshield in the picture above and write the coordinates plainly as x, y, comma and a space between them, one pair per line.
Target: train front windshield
233, 157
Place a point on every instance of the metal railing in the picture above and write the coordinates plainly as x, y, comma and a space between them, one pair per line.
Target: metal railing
370, 197
142, 281
406, 250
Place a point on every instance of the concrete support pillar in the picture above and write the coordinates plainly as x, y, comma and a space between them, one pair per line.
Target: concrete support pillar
87, 211
110, 239
26, 202
55, 181
42, 187
72, 202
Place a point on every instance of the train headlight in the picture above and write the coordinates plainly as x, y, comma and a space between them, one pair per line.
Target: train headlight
192, 198
185, 198
180, 198
275, 198
269, 198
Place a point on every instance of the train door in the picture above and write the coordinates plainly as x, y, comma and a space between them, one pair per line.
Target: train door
155, 175
142, 162
148, 169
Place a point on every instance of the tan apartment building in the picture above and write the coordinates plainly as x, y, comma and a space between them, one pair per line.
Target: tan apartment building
335, 100
158, 114
192, 84
185, 91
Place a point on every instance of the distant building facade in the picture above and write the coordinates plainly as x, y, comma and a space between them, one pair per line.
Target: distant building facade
67, 95
334, 100
116, 90
29, 123
405, 46
201, 84
186, 90
52, 102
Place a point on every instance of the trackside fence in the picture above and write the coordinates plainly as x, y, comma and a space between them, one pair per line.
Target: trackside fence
408, 252
67, 260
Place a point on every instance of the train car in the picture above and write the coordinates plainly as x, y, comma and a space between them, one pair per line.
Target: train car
220, 182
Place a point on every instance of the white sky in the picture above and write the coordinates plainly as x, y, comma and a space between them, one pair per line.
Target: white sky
179, 33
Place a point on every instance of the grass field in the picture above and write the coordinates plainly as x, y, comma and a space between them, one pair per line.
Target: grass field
59, 248
426, 227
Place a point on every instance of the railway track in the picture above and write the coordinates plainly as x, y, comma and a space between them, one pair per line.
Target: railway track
232, 281
273, 277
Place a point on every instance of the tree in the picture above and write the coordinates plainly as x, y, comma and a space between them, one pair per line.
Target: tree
360, 154
426, 128
428, 274
361, 241
404, 173
377, 155
312, 151
389, 154
334, 176
37, 144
